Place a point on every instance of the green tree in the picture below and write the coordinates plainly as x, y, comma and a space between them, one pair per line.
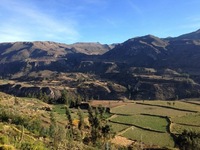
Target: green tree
69, 117
188, 140
81, 119
59, 137
95, 124
70, 132
90, 115
53, 125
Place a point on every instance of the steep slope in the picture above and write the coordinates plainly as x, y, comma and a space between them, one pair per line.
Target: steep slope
91, 48
19, 51
140, 51
150, 51
183, 54
26, 56
192, 36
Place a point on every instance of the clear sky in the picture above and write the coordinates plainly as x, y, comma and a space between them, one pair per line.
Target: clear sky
104, 21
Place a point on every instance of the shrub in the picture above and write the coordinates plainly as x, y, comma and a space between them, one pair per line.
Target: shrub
6, 147
4, 140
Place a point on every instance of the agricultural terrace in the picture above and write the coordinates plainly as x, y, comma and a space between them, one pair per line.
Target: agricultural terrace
153, 122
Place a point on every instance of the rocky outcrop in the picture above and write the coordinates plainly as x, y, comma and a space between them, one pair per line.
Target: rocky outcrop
20, 90
101, 90
165, 91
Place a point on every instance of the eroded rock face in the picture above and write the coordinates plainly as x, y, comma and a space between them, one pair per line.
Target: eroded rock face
19, 90
165, 91
99, 90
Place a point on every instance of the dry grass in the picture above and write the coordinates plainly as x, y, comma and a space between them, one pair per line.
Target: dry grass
132, 109
107, 103
175, 104
119, 140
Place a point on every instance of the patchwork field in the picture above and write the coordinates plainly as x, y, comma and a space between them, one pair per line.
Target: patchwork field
134, 108
143, 121
154, 122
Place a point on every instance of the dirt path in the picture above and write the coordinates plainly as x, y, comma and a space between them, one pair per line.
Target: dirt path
119, 140
113, 116
123, 131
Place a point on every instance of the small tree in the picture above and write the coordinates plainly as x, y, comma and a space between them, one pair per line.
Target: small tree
90, 115
70, 124
69, 117
53, 125
81, 119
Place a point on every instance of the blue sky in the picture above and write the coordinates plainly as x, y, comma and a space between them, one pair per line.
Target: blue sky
104, 21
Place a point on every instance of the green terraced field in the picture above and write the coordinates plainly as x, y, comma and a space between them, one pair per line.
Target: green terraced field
132, 114
148, 137
178, 129
191, 119
118, 127
149, 122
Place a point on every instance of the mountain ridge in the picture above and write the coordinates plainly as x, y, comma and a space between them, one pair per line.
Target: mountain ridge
135, 69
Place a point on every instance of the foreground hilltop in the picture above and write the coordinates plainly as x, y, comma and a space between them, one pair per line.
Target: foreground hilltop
146, 67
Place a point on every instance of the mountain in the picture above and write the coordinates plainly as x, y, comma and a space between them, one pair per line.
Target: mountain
151, 51
92, 48
20, 51
140, 51
146, 67
191, 36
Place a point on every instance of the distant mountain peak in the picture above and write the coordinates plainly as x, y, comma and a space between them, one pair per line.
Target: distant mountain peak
198, 31
190, 36
148, 39
150, 36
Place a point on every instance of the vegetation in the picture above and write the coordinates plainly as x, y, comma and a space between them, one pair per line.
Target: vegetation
178, 129
69, 99
190, 119
189, 140
28, 123
38, 129
133, 108
116, 128
149, 122
148, 137
129, 121
100, 129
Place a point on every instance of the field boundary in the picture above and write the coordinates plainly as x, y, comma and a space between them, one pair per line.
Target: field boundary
191, 103
168, 107
186, 124
121, 114
160, 116
169, 129
143, 128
